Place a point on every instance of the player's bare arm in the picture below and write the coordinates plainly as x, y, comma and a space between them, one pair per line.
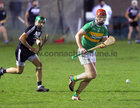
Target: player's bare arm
26, 19
104, 39
78, 40
3, 21
136, 18
22, 38
127, 16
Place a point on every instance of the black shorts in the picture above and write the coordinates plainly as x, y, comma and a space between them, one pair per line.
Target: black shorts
133, 24
22, 55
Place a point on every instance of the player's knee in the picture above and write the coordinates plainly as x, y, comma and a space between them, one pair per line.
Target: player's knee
92, 76
19, 71
40, 64
130, 31
39, 67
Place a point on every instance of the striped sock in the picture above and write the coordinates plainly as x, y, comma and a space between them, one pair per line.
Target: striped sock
74, 78
77, 93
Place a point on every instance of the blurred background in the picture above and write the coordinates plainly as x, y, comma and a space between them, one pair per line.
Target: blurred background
65, 17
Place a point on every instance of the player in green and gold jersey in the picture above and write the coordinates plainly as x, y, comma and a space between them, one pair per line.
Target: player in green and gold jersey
89, 36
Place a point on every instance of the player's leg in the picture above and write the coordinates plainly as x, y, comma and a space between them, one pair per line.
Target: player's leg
85, 60
20, 62
38, 65
88, 61
86, 75
130, 34
137, 35
90, 71
12, 70
73, 78
4, 32
35, 60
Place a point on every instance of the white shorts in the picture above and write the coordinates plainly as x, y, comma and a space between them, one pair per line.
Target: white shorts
89, 57
31, 58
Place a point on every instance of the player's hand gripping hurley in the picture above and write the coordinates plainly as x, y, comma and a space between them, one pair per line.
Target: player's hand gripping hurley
44, 41
111, 40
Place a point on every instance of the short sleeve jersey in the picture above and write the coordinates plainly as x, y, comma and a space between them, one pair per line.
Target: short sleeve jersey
33, 12
2, 15
133, 12
33, 33
94, 34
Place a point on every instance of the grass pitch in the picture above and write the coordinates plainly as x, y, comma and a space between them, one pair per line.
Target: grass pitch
115, 64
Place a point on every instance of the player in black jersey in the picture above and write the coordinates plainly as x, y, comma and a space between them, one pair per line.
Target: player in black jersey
3, 19
132, 16
26, 51
31, 13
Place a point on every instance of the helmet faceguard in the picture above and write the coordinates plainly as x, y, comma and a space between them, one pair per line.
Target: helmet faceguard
100, 17
40, 21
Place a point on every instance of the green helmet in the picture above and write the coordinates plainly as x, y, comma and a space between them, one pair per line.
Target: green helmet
40, 19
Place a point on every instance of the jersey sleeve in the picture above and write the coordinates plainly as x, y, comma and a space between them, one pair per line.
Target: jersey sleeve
128, 9
87, 27
109, 11
28, 9
30, 29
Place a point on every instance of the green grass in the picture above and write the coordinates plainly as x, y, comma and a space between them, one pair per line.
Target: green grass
108, 90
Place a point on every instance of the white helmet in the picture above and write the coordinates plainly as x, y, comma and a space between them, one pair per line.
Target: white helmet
134, 2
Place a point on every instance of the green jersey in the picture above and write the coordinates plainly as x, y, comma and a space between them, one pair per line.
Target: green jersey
94, 34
